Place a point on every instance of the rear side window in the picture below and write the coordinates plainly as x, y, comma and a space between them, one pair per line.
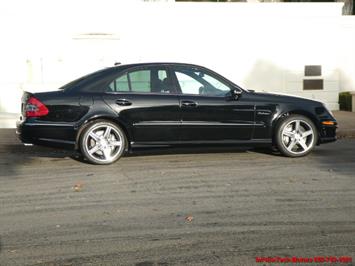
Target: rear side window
120, 84
140, 81
149, 80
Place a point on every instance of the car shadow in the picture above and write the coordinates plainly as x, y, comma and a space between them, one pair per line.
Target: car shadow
337, 157
13, 152
168, 150
15, 155
171, 150
35, 151
21, 154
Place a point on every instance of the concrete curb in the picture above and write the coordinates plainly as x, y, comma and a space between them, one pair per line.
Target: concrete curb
346, 124
349, 134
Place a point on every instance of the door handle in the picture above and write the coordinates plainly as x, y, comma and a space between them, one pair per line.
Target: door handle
188, 104
123, 102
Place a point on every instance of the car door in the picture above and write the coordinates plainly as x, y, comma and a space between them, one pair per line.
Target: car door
210, 112
145, 100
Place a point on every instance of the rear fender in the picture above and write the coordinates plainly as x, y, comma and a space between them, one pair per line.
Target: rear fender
110, 118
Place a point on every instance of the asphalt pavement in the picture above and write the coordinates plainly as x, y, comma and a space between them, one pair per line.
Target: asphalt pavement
181, 206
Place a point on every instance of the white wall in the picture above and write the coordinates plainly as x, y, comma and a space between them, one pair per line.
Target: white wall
261, 46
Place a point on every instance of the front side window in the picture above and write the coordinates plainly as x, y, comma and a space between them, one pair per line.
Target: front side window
151, 80
195, 81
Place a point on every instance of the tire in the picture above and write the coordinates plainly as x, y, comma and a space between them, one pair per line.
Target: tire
295, 136
102, 142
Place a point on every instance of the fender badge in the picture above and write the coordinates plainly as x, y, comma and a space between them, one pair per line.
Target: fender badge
263, 113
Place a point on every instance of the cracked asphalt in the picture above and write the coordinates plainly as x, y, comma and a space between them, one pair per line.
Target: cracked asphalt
240, 203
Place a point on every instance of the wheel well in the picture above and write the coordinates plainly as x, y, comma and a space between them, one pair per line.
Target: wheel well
295, 112
101, 118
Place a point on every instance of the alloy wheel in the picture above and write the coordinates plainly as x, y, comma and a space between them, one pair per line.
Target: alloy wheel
104, 143
298, 136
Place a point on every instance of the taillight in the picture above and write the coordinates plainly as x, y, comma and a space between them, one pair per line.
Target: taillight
35, 108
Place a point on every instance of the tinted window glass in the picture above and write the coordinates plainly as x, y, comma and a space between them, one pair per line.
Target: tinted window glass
152, 80
140, 81
216, 83
193, 81
120, 84
188, 84
162, 75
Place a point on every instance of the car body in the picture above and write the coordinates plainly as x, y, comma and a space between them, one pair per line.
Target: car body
170, 104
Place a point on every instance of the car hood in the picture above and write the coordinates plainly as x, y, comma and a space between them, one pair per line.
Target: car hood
284, 97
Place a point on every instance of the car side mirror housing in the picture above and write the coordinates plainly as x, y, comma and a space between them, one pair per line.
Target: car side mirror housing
236, 94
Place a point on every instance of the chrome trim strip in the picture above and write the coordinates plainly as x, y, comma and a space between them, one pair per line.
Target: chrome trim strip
193, 123
57, 140
49, 124
243, 110
158, 123
165, 143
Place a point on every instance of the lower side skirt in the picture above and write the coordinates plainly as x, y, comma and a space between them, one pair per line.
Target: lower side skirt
252, 142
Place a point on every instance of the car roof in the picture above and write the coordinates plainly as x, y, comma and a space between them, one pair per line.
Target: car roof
124, 66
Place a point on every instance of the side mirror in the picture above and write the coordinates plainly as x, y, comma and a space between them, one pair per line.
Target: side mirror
236, 93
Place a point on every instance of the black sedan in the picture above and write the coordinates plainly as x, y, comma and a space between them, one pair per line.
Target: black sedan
112, 110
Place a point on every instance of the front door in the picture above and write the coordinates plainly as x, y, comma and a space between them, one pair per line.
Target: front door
209, 112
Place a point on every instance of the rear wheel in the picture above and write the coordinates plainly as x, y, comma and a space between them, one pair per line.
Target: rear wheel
296, 136
102, 142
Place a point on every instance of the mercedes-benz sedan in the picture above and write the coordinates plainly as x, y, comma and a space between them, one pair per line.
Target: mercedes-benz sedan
112, 110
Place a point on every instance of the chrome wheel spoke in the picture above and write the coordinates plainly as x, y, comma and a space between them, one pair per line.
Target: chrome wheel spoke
107, 153
303, 144
297, 125
107, 132
288, 133
94, 136
307, 133
115, 143
94, 149
292, 144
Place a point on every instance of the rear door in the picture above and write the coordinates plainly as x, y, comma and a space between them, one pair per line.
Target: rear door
145, 99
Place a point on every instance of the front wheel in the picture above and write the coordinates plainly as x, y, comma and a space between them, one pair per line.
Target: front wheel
296, 136
102, 142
